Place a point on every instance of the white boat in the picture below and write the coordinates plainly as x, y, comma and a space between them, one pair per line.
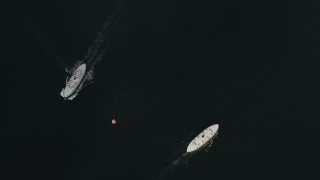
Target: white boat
203, 138
73, 83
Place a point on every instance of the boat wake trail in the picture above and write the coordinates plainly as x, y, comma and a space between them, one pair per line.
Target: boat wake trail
181, 162
97, 50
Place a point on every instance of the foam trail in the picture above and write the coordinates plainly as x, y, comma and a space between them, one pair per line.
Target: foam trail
103, 40
182, 161
97, 50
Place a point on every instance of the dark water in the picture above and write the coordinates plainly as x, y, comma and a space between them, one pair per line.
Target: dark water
172, 68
